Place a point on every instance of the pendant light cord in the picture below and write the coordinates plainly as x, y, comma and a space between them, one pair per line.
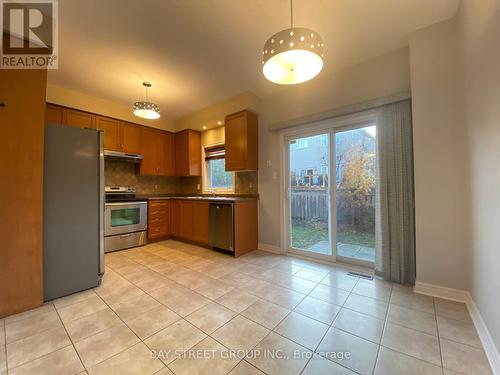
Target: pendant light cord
291, 14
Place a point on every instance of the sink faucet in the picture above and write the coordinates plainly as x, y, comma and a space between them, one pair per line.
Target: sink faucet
213, 193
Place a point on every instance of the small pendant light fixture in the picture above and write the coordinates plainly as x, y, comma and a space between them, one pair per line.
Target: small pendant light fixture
146, 109
293, 55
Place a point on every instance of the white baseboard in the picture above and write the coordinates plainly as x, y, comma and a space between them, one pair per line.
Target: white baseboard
269, 248
482, 329
484, 334
442, 292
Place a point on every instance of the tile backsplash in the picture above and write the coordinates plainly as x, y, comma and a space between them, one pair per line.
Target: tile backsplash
123, 173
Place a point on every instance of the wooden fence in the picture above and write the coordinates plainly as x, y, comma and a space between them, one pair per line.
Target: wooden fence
309, 205
314, 205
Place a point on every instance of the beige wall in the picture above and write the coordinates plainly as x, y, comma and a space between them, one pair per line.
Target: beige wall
211, 115
441, 158
74, 99
383, 76
480, 32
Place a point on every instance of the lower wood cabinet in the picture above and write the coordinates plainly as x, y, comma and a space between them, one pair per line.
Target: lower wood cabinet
194, 221
183, 219
186, 220
174, 216
159, 219
200, 222
189, 220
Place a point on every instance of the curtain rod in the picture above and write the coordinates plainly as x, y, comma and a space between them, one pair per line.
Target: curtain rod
341, 111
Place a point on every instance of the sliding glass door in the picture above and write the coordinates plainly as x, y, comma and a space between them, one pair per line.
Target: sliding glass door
309, 194
330, 194
355, 183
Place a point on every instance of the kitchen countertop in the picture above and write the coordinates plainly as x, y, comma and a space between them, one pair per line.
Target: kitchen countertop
211, 198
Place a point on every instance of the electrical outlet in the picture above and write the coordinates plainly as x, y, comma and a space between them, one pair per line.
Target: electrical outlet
268, 163
198, 187
156, 187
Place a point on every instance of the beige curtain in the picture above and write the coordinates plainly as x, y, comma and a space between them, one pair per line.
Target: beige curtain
395, 222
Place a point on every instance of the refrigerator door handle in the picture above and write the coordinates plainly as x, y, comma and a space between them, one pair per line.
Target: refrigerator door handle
101, 201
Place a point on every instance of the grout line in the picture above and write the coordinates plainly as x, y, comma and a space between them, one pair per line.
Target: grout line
70, 339
383, 332
5, 347
438, 336
134, 259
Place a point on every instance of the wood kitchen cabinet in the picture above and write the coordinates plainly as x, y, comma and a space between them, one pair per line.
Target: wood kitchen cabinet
79, 119
130, 136
120, 136
200, 222
159, 218
241, 133
168, 154
190, 220
55, 114
188, 153
111, 128
158, 149
186, 220
151, 148
175, 209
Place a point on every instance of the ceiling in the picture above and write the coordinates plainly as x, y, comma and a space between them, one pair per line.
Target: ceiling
199, 52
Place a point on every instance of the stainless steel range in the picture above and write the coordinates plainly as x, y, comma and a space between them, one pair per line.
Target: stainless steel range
125, 219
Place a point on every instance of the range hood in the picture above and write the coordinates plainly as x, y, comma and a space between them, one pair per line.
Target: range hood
123, 156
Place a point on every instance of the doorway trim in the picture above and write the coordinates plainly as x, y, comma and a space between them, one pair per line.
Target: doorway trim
351, 121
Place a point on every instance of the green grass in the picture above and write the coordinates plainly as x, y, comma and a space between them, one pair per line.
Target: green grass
305, 235
356, 238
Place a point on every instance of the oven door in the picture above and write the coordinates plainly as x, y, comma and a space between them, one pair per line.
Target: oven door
125, 217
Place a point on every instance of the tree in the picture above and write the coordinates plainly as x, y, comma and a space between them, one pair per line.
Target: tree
356, 188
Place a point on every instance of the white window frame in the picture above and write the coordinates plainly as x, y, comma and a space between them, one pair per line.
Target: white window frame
206, 174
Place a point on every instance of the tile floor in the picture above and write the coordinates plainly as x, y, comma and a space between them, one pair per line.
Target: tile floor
202, 312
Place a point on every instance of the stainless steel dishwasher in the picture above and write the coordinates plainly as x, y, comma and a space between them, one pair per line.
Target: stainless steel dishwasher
220, 227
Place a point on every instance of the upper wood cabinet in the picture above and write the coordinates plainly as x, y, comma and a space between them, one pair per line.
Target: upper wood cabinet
168, 154
79, 119
55, 114
151, 146
111, 128
188, 153
242, 152
60, 115
130, 138
120, 136
158, 149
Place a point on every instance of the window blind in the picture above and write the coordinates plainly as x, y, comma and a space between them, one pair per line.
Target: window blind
216, 152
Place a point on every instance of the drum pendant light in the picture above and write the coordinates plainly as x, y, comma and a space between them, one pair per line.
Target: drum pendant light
293, 55
146, 109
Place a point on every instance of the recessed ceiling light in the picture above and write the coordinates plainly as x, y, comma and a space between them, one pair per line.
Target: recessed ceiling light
219, 122
204, 127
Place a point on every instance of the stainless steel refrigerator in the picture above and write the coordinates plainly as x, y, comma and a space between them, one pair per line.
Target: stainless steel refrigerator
73, 212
